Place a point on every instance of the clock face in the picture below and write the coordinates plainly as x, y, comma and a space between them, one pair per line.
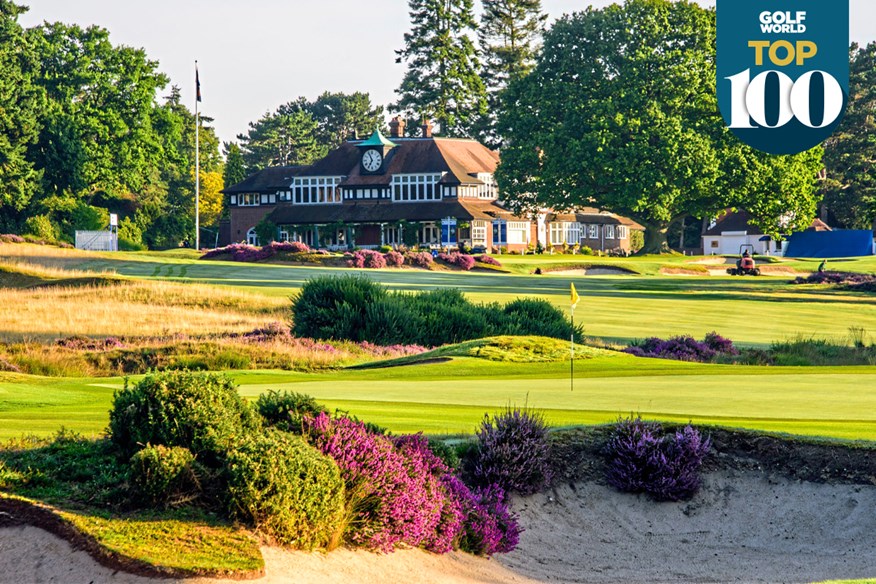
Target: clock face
372, 160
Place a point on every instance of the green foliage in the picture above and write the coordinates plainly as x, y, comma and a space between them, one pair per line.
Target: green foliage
340, 116
286, 489
285, 410
334, 308
358, 309
850, 154
266, 230
509, 36
41, 226
20, 104
442, 79
285, 137
630, 90
164, 476
637, 240
199, 411
235, 168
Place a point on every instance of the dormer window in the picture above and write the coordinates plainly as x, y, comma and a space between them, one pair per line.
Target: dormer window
415, 187
488, 190
316, 190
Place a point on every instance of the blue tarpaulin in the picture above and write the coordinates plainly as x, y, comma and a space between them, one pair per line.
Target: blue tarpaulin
830, 244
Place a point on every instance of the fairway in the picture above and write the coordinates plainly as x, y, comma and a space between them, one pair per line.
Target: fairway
751, 311
451, 398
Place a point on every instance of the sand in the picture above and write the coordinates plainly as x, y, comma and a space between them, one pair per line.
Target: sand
742, 527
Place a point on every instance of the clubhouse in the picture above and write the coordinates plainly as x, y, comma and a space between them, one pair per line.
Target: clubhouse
428, 191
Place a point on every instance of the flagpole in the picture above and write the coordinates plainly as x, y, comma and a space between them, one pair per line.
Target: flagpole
197, 162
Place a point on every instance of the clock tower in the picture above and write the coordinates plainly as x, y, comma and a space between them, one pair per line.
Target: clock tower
373, 152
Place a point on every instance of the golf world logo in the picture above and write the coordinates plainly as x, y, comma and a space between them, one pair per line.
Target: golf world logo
783, 71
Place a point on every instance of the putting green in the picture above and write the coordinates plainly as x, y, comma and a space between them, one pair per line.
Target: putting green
451, 398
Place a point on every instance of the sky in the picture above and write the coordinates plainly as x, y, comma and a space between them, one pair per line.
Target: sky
254, 56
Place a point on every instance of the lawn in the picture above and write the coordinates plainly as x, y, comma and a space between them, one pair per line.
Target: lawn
452, 397
751, 311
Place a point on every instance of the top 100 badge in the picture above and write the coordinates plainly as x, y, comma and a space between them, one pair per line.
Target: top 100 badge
783, 71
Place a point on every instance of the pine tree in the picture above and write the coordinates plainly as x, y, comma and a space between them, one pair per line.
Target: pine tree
442, 79
235, 167
509, 37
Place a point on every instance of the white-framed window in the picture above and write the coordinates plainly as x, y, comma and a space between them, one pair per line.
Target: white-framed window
284, 235
565, 232
518, 232
233, 199
609, 232
487, 190
272, 199
316, 190
467, 191
593, 232
479, 233
408, 188
391, 235
622, 232
450, 192
249, 200
252, 237
430, 233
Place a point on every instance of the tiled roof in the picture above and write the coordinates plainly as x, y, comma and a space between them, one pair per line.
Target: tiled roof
741, 221
591, 216
387, 212
269, 180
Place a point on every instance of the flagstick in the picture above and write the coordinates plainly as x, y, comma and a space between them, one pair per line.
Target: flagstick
572, 360
197, 167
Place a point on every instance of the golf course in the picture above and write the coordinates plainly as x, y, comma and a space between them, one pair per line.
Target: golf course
450, 397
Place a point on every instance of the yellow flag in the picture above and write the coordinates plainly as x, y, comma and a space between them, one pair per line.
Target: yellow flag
575, 297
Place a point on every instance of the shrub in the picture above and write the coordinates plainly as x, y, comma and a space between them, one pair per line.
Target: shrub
366, 258
460, 260
11, 238
392, 321
334, 308
164, 476
41, 226
684, 348
385, 248
490, 261
286, 489
392, 498
419, 260
513, 452
537, 317
643, 460
394, 259
199, 411
286, 410
488, 525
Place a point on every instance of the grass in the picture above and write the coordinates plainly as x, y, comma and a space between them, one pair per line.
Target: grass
452, 397
751, 311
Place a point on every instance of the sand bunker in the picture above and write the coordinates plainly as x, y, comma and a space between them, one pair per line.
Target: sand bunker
744, 526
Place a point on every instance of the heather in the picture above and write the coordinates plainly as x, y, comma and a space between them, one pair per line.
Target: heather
400, 493
684, 348
512, 452
850, 279
460, 260
644, 458
242, 252
488, 260
355, 308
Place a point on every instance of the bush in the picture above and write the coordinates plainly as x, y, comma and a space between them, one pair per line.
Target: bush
537, 317
513, 452
460, 260
286, 489
643, 460
488, 525
490, 261
11, 238
393, 498
164, 476
286, 410
684, 348
41, 226
394, 259
385, 248
334, 308
419, 260
199, 411
366, 258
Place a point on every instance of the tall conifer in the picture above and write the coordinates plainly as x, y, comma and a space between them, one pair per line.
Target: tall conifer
442, 80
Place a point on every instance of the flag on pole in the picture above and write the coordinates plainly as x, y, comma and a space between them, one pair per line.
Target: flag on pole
575, 297
197, 83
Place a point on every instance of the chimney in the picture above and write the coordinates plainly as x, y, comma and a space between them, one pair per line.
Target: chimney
397, 127
426, 128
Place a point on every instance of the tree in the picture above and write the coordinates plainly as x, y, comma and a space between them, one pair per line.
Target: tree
620, 112
20, 102
339, 116
850, 154
286, 137
235, 168
212, 203
442, 79
509, 35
